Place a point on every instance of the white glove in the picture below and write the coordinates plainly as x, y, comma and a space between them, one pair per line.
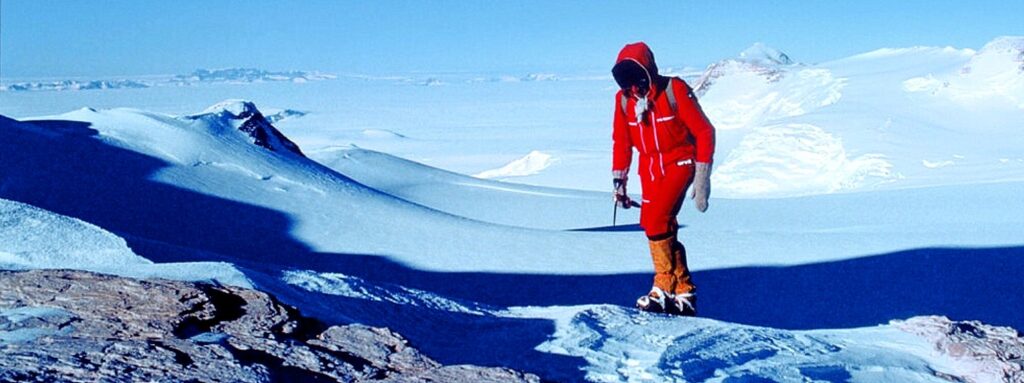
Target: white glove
701, 186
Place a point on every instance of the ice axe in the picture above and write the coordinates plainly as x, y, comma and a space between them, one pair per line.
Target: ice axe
615, 209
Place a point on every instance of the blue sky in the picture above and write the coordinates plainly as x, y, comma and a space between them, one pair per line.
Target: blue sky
118, 37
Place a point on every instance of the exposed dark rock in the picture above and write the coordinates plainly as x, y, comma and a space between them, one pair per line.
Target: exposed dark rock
76, 326
243, 115
265, 134
983, 353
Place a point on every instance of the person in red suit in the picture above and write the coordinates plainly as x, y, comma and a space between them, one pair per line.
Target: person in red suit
661, 118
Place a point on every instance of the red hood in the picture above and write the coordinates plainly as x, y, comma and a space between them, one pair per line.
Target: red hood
640, 53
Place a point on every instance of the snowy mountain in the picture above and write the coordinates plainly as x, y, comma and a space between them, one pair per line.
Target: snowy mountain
761, 61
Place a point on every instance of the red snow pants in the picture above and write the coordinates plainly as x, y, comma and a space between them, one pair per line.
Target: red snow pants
662, 199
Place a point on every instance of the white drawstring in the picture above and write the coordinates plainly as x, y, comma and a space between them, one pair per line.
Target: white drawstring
639, 108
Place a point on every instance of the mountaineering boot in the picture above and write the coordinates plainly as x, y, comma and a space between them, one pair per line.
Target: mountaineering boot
655, 301
684, 294
664, 281
683, 304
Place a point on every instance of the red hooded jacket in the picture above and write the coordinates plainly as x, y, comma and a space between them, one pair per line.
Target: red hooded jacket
663, 137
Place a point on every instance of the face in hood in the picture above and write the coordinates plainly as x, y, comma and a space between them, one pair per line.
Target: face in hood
635, 69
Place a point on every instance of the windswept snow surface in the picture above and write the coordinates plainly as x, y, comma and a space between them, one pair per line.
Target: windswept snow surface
864, 200
991, 75
621, 345
32, 238
275, 200
470, 197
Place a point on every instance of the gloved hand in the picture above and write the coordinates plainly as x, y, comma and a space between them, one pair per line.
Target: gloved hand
621, 198
701, 185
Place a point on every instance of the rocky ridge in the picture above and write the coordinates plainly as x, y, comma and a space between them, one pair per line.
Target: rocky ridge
244, 116
984, 353
76, 326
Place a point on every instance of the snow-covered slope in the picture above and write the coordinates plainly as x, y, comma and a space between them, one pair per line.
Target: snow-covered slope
991, 75
208, 181
470, 197
32, 238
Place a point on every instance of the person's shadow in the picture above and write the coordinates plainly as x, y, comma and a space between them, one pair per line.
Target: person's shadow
63, 167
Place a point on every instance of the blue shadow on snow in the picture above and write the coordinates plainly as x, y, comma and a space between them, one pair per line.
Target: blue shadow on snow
63, 167
67, 168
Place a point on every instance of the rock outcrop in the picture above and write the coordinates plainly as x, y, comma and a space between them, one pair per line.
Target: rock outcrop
243, 115
76, 326
983, 353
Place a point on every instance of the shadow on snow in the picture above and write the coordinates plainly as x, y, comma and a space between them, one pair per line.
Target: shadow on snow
961, 283
60, 166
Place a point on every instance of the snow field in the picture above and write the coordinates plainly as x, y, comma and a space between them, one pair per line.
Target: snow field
862, 182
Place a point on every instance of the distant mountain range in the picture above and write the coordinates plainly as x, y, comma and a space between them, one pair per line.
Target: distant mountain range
249, 75
199, 76
76, 85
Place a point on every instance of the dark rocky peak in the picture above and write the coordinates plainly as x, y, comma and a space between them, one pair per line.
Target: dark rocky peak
243, 115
